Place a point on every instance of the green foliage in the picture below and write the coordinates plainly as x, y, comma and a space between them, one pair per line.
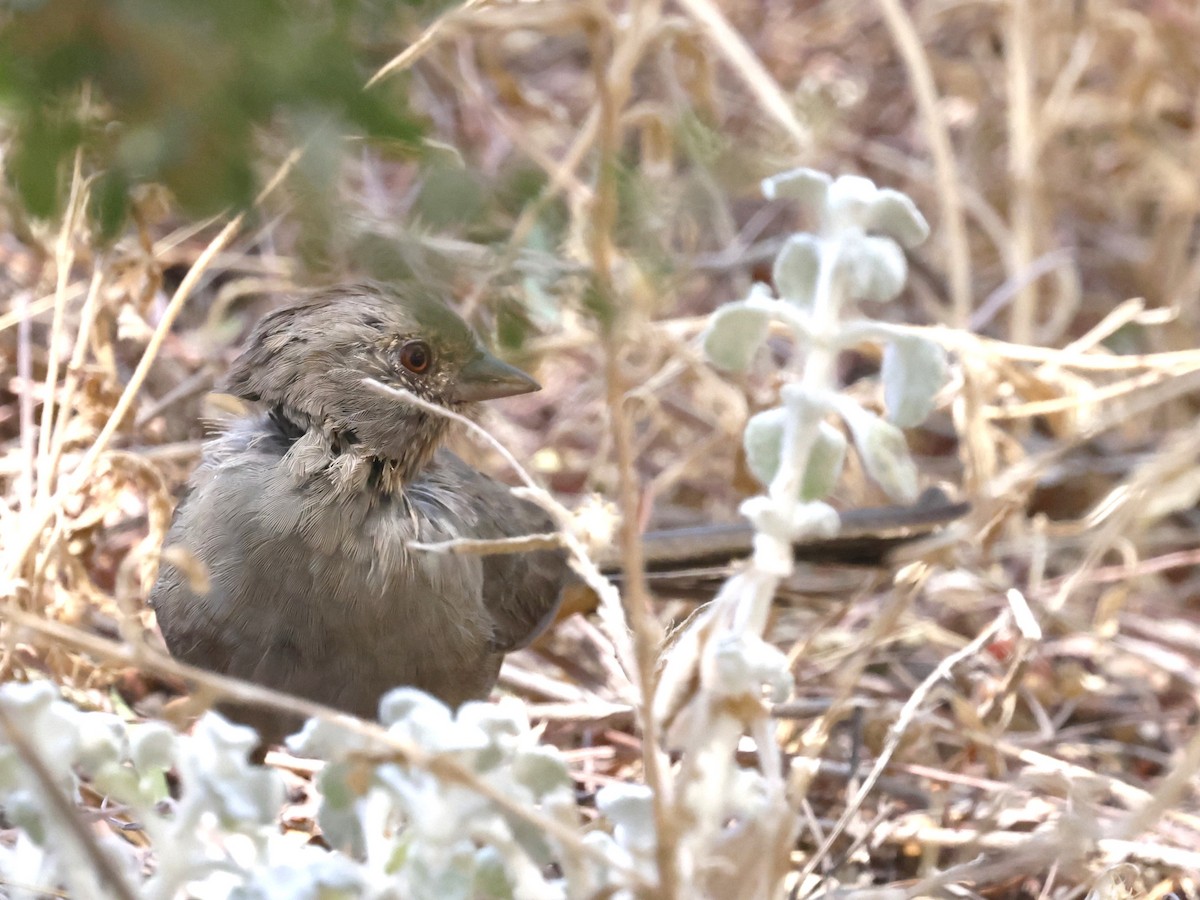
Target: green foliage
178, 91
451, 196
597, 302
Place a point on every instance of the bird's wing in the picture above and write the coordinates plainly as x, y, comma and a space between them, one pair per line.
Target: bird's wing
521, 591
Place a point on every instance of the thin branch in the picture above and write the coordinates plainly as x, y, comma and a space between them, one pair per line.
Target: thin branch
745, 64
64, 260
896, 733
424, 43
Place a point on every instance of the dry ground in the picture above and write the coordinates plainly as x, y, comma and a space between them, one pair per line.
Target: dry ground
1055, 149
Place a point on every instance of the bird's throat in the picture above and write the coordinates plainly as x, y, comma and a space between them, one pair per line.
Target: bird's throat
318, 450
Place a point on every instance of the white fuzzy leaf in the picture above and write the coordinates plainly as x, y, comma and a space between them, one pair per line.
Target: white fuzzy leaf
914, 370
746, 665
796, 269
849, 202
824, 464
872, 268
630, 808
806, 185
884, 454
734, 334
763, 442
895, 214
151, 746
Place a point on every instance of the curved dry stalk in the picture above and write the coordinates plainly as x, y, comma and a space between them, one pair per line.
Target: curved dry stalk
64, 260
422, 44
958, 252
613, 64
746, 65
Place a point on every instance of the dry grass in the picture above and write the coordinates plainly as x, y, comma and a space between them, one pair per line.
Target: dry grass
1012, 714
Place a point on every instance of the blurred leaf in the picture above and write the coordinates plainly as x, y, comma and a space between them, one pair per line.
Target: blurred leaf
763, 442
808, 186
312, 188
850, 200
521, 186
152, 745
599, 305
109, 203
746, 665
895, 214
180, 90
542, 770
512, 324
450, 195
38, 152
643, 220
631, 810
702, 143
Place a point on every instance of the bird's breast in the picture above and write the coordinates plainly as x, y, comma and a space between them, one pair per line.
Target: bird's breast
319, 592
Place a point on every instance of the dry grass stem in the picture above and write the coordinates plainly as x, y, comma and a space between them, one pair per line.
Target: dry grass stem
953, 228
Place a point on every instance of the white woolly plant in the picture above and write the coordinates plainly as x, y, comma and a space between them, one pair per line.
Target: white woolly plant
395, 830
797, 451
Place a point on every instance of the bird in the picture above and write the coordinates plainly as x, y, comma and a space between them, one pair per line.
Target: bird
288, 562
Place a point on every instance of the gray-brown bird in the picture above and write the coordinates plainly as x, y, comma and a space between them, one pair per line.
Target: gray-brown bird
301, 515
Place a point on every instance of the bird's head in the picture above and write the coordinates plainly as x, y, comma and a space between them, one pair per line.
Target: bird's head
308, 362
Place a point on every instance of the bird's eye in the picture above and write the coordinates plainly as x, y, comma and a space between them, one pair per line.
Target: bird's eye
416, 357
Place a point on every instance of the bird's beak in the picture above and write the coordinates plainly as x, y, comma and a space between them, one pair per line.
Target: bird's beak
487, 378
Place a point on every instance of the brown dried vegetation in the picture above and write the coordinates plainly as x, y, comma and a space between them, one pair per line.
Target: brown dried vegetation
1032, 678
